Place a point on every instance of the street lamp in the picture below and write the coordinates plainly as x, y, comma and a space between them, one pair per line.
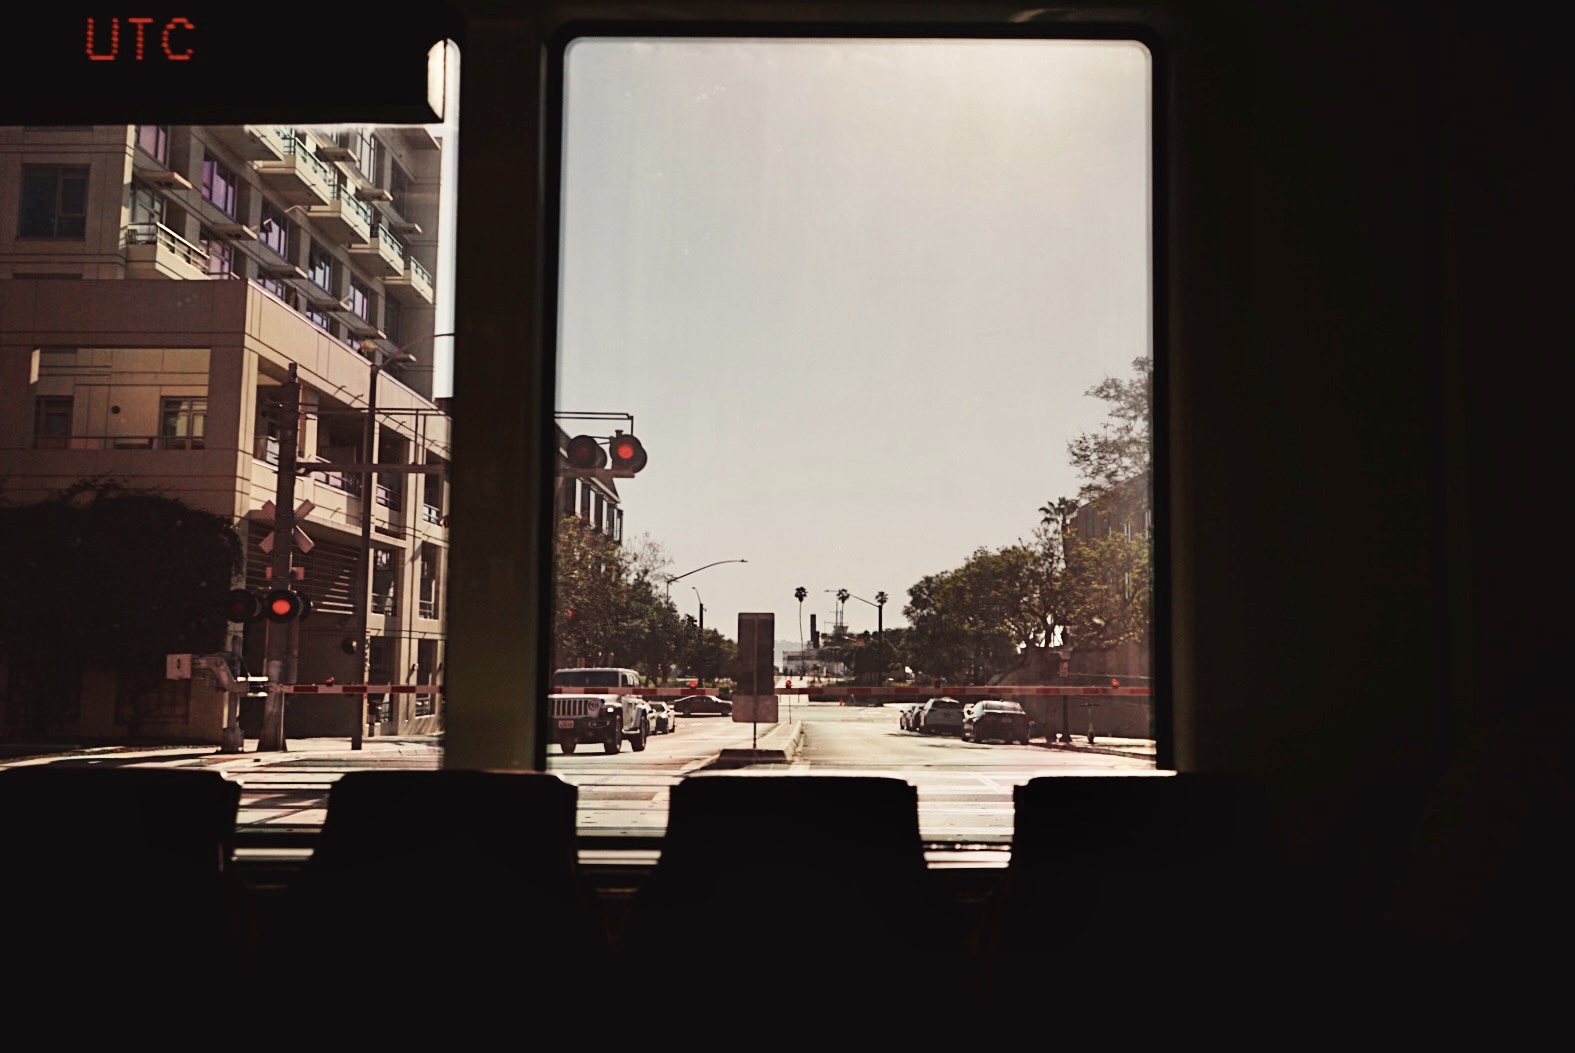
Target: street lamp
697, 570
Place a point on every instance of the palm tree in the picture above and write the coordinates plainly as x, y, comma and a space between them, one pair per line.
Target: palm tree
799, 594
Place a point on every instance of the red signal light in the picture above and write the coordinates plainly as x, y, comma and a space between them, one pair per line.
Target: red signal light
628, 455
284, 605
243, 605
584, 453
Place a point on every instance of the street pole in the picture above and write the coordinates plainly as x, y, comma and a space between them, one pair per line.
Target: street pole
368, 505
282, 640
700, 636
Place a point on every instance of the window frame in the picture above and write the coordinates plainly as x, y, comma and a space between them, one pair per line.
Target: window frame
543, 338
61, 175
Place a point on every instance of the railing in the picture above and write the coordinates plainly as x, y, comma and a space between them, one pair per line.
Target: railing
415, 265
384, 235
427, 606
295, 147
346, 194
159, 234
431, 514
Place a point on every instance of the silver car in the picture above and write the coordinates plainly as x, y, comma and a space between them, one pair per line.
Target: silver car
941, 716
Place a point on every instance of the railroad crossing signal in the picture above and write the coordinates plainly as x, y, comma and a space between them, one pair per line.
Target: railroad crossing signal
286, 605
303, 544
243, 605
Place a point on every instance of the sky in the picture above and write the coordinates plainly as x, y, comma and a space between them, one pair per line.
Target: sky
853, 294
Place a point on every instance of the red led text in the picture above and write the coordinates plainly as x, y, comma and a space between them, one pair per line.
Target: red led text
100, 49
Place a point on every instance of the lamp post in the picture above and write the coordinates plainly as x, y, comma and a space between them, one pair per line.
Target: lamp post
685, 574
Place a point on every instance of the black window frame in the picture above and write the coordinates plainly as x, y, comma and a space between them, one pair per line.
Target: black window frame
62, 225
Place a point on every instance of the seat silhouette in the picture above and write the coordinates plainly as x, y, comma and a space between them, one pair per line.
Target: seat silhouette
118, 881
457, 884
1153, 886
766, 878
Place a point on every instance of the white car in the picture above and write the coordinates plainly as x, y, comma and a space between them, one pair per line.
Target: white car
664, 718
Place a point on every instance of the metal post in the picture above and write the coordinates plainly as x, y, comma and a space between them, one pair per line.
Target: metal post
368, 510
282, 640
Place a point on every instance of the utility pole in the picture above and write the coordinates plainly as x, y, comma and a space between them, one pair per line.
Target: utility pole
282, 640
368, 504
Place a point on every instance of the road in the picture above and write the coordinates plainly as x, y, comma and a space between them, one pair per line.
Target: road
965, 788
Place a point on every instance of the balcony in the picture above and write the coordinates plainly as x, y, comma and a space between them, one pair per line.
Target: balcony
153, 250
344, 217
413, 287
383, 255
155, 173
298, 175
251, 142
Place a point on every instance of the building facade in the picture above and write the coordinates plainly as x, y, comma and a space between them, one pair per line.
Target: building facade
157, 284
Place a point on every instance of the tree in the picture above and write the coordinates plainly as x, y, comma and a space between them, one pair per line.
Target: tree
102, 576
799, 594
1122, 449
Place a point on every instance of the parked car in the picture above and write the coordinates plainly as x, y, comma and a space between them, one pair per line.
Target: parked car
664, 718
906, 716
941, 716
996, 718
692, 705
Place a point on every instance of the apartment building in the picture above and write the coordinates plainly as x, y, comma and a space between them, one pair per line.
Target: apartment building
157, 283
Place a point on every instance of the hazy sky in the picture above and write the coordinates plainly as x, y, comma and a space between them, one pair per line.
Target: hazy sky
853, 293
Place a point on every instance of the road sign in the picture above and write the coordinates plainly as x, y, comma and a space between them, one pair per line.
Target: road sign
754, 697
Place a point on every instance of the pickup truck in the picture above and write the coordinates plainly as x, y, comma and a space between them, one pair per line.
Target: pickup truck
603, 709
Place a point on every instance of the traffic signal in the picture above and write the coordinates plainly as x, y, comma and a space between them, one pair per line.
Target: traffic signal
627, 453
286, 605
243, 605
585, 453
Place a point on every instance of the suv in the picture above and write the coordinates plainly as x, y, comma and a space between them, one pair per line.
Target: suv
940, 716
605, 710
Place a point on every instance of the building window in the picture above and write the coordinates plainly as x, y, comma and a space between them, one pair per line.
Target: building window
384, 582
432, 494
427, 670
52, 422
182, 423
219, 185
398, 186
221, 255
146, 206
320, 267
391, 321
154, 140
317, 318
54, 201
360, 300
274, 231
429, 581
